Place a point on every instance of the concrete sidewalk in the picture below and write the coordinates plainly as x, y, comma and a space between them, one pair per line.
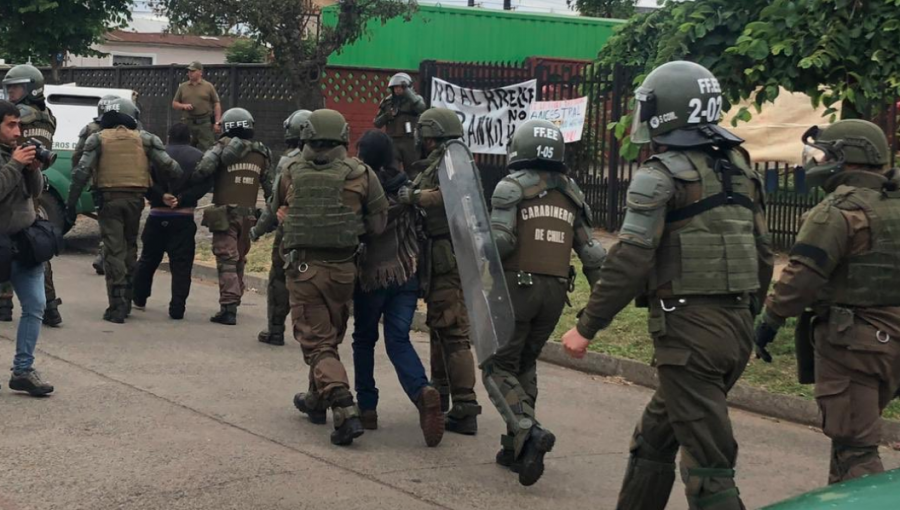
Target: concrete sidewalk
164, 414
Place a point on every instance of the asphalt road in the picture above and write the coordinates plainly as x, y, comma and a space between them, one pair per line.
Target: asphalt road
160, 414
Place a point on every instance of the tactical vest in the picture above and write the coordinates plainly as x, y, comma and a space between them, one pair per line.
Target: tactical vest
545, 226
238, 183
436, 224
37, 124
123, 160
871, 278
318, 215
708, 247
404, 116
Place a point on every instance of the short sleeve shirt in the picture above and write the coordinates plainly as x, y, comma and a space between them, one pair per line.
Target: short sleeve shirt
202, 96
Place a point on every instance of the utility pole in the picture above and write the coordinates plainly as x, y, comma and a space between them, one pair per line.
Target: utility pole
507, 5
471, 3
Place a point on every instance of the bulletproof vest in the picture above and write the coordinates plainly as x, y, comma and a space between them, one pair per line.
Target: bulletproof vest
708, 247
238, 184
38, 124
436, 224
871, 278
123, 161
544, 224
405, 119
319, 216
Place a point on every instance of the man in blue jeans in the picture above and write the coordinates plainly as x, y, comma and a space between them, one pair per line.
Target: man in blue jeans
21, 182
387, 287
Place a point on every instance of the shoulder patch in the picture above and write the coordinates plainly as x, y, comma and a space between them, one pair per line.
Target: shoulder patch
678, 164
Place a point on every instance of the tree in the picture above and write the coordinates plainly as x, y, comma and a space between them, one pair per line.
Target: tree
845, 51
48, 30
617, 9
246, 51
300, 46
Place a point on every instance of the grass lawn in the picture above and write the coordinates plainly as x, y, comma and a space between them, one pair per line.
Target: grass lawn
627, 337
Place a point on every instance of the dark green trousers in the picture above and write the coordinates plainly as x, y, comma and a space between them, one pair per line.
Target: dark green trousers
120, 221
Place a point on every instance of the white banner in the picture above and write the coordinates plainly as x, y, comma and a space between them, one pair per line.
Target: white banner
567, 115
489, 116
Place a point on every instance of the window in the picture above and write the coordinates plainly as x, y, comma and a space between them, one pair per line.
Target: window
128, 60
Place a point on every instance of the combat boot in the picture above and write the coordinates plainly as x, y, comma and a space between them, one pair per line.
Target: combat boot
369, 419
531, 461
116, 313
347, 425
267, 336
227, 315
312, 412
463, 418
52, 317
506, 457
6, 309
431, 419
30, 382
98, 264
176, 311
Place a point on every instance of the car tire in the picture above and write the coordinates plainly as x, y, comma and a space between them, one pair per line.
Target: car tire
53, 209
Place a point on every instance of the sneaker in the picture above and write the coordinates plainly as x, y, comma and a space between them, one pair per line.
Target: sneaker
139, 302
313, 415
431, 419
531, 462
266, 337
30, 381
369, 419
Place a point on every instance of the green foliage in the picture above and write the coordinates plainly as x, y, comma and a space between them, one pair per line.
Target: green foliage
616, 9
835, 51
246, 51
42, 29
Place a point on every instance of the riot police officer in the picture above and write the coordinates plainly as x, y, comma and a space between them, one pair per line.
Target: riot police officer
277, 298
845, 266
539, 216
452, 364
332, 200
694, 247
240, 166
91, 128
398, 114
119, 159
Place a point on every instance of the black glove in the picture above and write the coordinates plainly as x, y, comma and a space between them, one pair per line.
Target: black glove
764, 336
71, 214
408, 196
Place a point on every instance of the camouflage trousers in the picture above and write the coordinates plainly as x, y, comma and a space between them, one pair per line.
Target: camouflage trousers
700, 352
452, 364
278, 304
120, 222
202, 135
857, 375
320, 295
511, 378
230, 247
6, 288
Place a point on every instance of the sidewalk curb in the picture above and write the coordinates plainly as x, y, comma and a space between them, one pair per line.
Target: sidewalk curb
742, 396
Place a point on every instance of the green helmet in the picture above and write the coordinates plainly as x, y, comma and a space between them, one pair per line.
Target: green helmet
400, 80
439, 123
293, 125
28, 76
104, 103
537, 144
123, 106
853, 141
237, 123
679, 105
326, 126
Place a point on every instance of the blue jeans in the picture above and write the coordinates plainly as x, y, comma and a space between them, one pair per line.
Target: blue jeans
28, 284
398, 305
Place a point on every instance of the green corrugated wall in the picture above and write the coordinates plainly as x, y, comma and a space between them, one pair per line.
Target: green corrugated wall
473, 34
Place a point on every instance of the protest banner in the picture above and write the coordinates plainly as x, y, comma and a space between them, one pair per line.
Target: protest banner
567, 115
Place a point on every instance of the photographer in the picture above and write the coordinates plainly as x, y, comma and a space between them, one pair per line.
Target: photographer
21, 182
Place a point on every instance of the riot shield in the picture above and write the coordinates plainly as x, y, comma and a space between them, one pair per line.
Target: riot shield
484, 287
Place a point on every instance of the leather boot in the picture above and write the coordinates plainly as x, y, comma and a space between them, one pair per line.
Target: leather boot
431, 419
305, 405
506, 457
463, 418
531, 462
52, 317
6, 310
116, 313
271, 337
176, 311
227, 315
347, 425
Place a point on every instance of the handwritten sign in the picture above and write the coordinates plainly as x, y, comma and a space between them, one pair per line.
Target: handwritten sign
567, 115
489, 116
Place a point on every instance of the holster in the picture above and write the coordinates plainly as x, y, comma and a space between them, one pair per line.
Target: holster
97, 195
803, 340
215, 218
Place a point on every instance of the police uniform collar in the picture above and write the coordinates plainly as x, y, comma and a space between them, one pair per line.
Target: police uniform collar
858, 179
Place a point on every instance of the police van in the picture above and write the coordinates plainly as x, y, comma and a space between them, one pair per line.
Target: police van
74, 107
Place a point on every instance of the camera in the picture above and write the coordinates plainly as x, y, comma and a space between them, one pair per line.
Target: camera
47, 157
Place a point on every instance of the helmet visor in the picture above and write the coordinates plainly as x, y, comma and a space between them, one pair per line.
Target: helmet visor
640, 129
813, 156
